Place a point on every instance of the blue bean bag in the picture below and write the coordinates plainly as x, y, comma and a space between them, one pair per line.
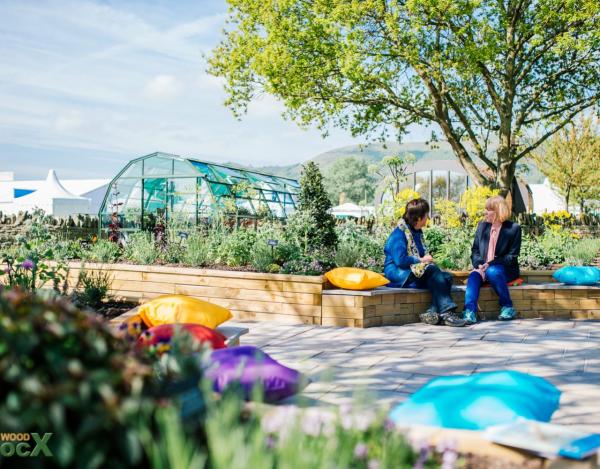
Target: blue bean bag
578, 275
478, 401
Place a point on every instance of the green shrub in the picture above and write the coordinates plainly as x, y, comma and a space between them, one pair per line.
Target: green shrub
583, 252
315, 203
103, 251
435, 237
347, 254
455, 252
63, 371
236, 250
532, 254
141, 248
92, 287
197, 250
262, 257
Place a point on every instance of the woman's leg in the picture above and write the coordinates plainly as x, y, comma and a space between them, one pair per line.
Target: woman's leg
474, 283
440, 289
496, 275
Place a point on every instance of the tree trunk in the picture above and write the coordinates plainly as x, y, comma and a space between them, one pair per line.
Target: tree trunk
505, 173
567, 196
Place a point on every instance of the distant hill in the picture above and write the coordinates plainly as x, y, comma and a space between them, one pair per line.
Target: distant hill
375, 152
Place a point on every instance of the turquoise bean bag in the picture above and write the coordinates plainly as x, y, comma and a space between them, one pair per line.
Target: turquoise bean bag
478, 401
578, 275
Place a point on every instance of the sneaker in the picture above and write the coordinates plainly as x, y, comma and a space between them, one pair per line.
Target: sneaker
507, 313
469, 316
452, 320
430, 316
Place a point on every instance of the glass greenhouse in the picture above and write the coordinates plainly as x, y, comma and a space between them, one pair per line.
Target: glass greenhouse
189, 191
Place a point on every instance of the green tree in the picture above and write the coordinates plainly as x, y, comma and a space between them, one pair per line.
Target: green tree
571, 161
481, 71
313, 200
351, 176
393, 170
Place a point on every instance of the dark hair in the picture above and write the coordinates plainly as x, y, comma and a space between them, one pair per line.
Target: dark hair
415, 210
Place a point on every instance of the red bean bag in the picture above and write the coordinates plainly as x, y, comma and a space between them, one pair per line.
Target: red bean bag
160, 336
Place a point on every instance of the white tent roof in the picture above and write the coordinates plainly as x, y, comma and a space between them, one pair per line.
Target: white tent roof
546, 198
51, 189
54, 199
351, 210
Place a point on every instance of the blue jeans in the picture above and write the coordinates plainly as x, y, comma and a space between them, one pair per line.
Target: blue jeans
496, 276
439, 284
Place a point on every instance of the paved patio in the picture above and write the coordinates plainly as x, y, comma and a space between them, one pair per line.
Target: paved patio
390, 363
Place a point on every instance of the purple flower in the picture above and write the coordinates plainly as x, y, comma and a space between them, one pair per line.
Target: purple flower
28, 264
361, 451
374, 464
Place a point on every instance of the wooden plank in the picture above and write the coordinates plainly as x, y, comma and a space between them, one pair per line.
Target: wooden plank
266, 307
342, 312
336, 300
343, 322
245, 294
143, 286
316, 279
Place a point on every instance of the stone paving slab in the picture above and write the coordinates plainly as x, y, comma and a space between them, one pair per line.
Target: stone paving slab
388, 364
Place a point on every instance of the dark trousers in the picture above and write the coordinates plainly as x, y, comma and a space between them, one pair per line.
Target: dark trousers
496, 276
439, 284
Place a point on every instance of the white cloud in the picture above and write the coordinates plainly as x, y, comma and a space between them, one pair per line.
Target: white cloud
70, 120
163, 87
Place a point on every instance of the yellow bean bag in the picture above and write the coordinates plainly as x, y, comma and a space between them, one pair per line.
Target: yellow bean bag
171, 309
350, 278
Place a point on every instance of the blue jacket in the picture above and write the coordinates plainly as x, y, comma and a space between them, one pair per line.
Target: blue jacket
508, 247
397, 262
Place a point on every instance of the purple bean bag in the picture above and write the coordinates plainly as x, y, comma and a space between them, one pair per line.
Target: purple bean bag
249, 367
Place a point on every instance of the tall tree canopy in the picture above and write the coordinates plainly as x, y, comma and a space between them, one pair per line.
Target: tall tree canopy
571, 161
351, 176
482, 70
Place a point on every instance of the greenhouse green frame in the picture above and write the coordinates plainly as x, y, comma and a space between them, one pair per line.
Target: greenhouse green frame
191, 191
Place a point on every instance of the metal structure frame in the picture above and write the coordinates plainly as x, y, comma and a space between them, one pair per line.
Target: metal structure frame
251, 193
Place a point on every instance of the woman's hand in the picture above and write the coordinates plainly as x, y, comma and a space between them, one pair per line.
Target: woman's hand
426, 259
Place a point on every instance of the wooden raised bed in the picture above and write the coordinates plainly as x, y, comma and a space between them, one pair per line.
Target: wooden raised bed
312, 300
248, 295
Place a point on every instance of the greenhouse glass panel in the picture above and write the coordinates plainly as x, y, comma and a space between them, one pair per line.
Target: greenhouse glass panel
458, 185
125, 198
155, 195
134, 171
439, 185
158, 166
182, 200
245, 207
276, 209
183, 168
220, 189
168, 186
422, 184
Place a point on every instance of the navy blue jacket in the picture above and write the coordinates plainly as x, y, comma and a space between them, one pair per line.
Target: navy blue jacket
397, 262
508, 247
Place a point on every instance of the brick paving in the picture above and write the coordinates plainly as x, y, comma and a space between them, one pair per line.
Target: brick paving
387, 364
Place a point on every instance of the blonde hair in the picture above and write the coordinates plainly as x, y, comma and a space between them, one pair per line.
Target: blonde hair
499, 205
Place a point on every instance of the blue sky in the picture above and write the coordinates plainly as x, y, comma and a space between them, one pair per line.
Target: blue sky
85, 86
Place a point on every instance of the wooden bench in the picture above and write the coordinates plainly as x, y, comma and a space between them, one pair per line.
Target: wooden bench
396, 306
232, 334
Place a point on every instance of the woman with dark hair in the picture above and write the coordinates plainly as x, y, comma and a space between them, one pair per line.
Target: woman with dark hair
407, 265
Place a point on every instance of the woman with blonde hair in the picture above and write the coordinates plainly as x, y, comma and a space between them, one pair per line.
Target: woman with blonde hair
495, 258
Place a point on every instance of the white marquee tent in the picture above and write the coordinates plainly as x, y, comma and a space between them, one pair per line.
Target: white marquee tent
351, 210
53, 199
